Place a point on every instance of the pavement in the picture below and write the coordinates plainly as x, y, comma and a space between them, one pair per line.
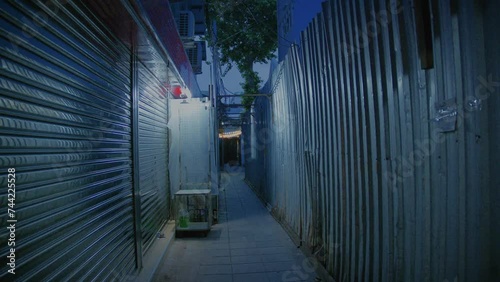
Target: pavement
247, 244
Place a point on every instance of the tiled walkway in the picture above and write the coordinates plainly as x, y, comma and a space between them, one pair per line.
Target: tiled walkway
246, 245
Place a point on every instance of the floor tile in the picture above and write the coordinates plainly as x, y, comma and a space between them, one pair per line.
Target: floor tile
215, 260
215, 269
246, 245
245, 259
251, 277
280, 266
276, 257
215, 278
248, 268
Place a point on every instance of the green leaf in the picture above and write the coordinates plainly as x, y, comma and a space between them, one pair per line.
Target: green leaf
246, 34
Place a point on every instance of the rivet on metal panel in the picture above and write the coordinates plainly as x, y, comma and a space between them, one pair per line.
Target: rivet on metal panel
446, 115
474, 104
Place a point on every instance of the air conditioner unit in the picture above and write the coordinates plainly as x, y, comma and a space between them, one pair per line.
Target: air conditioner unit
195, 56
185, 24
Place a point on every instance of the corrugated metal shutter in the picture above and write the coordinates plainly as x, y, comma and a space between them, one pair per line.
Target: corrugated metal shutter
153, 154
65, 128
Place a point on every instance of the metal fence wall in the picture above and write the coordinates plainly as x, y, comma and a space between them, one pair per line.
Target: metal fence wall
377, 145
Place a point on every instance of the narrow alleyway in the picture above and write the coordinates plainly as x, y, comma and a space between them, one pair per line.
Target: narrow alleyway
246, 245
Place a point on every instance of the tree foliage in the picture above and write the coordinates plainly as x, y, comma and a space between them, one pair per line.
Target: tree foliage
246, 34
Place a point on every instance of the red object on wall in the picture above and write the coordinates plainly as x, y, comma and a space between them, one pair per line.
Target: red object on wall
177, 91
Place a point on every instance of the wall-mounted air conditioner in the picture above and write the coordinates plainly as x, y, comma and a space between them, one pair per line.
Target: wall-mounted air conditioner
195, 56
185, 24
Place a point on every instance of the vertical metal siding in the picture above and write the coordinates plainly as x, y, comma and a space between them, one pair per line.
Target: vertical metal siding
362, 171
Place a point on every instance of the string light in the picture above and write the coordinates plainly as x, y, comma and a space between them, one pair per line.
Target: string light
231, 134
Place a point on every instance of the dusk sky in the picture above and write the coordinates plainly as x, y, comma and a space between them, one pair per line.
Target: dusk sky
233, 78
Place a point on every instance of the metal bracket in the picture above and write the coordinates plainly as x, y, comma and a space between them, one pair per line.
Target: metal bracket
446, 115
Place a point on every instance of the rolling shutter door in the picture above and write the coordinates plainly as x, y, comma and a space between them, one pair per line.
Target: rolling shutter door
153, 153
65, 128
